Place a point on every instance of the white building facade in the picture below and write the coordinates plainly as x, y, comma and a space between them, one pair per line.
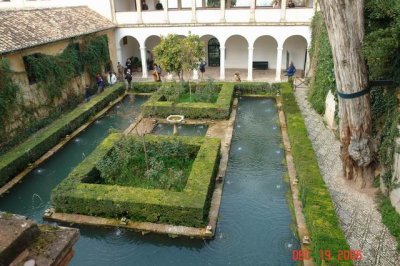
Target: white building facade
236, 33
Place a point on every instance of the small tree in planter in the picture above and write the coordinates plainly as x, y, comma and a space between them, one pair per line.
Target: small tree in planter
193, 53
175, 54
168, 54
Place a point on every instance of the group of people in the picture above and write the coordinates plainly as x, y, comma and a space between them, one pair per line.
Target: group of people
290, 4
158, 6
101, 84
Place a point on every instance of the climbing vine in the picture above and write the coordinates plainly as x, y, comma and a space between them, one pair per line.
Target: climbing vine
8, 90
53, 72
323, 76
95, 54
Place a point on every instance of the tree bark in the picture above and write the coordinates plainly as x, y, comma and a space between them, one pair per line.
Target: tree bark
345, 23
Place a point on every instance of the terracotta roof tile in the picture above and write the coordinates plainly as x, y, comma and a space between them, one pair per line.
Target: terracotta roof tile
25, 28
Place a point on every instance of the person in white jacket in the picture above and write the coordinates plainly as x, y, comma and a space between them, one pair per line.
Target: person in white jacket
111, 78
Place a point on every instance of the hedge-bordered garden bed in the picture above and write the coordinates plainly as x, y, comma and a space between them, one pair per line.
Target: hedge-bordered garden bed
219, 110
12, 162
318, 208
80, 194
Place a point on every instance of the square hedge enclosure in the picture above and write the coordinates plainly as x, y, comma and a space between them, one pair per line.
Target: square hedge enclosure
161, 103
85, 191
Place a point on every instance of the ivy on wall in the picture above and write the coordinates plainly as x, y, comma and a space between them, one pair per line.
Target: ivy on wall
95, 54
53, 72
8, 90
382, 52
323, 76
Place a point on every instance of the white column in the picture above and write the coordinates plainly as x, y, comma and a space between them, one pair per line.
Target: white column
222, 19
278, 64
307, 67
250, 64
194, 18
283, 10
144, 61
112, 8
139, 11
222, 63
166, 14
315, 6
252, 10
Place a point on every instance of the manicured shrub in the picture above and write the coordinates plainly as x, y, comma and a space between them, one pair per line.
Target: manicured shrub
218, 110
79, 192
261, 88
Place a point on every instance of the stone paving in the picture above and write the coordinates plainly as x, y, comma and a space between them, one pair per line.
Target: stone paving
357, 211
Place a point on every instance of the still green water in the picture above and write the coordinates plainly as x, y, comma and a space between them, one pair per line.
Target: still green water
183, 130
253, 226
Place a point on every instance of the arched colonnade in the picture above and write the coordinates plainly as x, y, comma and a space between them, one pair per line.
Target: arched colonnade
233, 50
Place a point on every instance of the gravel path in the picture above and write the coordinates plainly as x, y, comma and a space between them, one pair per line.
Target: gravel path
357, 211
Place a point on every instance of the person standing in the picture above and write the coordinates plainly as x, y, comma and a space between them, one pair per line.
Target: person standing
87, 93
202, 68
128, 65
157, 73
100, 83
159, 6
111, 78
128, 78
120, 69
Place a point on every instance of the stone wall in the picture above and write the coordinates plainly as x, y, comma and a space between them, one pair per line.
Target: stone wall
395, 193
33, 104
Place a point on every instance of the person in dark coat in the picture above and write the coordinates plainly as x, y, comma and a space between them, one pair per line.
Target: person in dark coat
128, 78
87, 93
202, 68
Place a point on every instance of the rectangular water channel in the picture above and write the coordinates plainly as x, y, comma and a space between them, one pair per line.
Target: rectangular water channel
254, 220
184, 130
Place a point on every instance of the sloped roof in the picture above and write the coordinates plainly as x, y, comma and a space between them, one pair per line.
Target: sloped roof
23, 28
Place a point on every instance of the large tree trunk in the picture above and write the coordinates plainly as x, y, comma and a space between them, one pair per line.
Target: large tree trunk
345, 23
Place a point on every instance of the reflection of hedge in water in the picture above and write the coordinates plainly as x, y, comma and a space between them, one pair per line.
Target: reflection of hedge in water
80, 194
167, 165
18, 158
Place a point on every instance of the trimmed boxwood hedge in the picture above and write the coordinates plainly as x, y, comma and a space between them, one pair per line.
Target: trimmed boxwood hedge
14, 161
80, 194
219, 110
318, 208
259, 88
145, 87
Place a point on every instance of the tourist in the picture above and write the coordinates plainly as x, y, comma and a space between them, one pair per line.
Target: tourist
111, 78
291, 70
100, 83
236, 77
128, 78
291, 4
159, 6
120, 69
87, 93
145, 6
275, 4
157, 73
202, 68
128, 65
